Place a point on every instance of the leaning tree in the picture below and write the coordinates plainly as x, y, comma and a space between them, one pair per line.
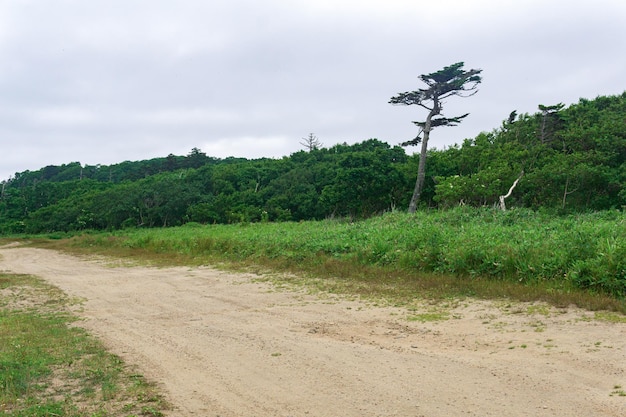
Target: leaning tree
452, 80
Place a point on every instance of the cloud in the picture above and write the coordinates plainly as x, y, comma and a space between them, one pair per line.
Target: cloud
252, 146
63, 117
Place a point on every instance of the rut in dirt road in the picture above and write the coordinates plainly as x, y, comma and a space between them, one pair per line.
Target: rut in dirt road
221, 344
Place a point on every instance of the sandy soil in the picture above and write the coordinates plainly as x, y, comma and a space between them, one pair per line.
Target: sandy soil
223, 344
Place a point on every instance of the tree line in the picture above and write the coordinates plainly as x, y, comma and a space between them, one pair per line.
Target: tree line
563, 159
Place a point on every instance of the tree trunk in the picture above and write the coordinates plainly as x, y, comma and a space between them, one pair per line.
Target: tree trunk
421, 174
421, 169
502, 197
567, 192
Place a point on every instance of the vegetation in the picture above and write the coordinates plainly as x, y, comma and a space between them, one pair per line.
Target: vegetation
566, 160
521, 254
562, 171
50, 368
357, 180
328, 213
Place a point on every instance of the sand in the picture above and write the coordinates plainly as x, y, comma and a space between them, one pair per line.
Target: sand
227, 344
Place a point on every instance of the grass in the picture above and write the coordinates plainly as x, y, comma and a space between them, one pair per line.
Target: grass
610, 317
518, 254
429, 317
50, 367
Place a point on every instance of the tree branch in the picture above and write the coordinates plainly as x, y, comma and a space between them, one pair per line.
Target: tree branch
503, 197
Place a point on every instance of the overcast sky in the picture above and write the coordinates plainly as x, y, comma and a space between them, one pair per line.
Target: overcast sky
104, 81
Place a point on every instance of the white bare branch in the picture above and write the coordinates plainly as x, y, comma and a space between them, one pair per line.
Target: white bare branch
503, 197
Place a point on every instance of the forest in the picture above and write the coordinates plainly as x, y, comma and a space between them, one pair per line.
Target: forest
565, 160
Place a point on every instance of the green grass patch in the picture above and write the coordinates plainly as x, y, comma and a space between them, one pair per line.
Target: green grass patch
49, 367
518, 254
538, 309
610, 316
428, 317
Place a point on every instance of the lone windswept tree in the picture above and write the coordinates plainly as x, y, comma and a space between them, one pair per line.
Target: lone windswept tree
452, 80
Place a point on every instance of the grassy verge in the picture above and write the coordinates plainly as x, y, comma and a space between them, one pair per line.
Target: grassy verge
518, 254
49, 367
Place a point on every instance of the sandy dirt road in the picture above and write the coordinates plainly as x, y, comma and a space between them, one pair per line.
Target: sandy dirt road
223, 344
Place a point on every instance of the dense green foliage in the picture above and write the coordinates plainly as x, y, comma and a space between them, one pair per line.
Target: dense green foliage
569, 159
572, 159
585, 251
357, 180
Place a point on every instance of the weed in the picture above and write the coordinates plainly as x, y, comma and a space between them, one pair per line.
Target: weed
426, 317
151, 411
617, 390
610, 316
538, 309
